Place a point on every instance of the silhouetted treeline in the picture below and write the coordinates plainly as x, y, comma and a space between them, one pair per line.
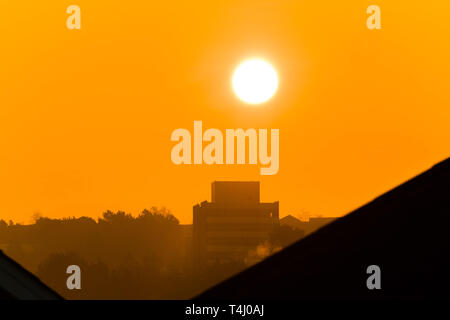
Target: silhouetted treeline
121, 256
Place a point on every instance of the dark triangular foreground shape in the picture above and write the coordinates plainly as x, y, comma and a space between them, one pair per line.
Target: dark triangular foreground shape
406, 232
18, 283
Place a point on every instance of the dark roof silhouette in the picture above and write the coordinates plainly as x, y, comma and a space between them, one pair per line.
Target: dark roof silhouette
406, 232
18, 283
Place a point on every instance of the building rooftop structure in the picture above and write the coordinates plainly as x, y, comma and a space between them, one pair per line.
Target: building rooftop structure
308, 227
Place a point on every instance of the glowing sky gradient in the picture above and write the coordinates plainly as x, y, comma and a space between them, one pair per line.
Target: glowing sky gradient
86, 116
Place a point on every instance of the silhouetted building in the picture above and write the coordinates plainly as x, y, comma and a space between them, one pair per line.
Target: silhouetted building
307, 227
18, 283
234, 222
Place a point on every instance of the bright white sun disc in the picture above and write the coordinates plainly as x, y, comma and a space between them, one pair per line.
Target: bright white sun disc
255, 81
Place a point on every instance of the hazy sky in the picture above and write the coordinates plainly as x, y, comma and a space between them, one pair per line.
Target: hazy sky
86, 115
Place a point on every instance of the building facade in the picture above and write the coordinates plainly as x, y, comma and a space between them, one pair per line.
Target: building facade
234, 222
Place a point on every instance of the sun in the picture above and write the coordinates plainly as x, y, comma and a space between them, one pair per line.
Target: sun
255, 81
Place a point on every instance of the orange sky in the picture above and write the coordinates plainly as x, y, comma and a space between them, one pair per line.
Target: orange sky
86, 116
